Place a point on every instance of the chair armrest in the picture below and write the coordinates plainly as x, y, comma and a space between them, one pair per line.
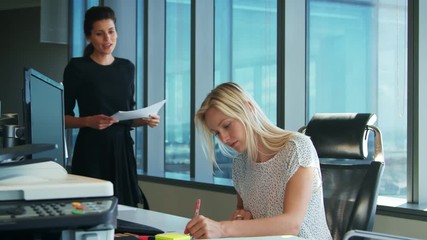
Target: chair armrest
374, 235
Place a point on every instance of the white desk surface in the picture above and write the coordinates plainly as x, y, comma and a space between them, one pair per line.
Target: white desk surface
262, 238
172, 223
163, 221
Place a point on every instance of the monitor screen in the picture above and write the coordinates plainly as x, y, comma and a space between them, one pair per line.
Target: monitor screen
43, 113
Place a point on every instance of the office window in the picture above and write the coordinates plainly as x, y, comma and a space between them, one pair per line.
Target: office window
245, 52
177, 110
357, 62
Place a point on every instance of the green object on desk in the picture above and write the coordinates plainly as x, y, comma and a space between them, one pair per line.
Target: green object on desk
172, 236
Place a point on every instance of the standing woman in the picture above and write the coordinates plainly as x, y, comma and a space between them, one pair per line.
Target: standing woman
276, 173
102, 84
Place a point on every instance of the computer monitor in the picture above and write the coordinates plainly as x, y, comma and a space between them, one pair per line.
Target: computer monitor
43, 112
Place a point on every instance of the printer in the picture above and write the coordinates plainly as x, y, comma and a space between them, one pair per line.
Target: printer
40, 200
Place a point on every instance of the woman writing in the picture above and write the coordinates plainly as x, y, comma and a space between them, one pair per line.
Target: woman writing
102, 84
276, 173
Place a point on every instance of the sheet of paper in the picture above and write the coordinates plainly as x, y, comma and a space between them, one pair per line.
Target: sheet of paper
139, 113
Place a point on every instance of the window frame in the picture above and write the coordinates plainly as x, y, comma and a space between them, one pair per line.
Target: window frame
292, 11
152, 58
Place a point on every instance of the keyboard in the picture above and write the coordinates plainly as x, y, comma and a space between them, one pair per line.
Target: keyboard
124, 226
58, 214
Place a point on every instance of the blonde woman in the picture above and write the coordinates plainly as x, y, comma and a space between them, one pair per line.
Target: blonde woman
276, 173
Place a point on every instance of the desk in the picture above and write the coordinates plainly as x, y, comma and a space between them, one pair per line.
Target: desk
163, 221
172, 223
263, 238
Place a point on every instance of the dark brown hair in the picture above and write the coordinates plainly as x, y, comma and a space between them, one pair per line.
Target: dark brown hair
92, 15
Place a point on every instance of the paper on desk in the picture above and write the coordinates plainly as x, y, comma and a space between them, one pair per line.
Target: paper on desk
139, 113
281, 237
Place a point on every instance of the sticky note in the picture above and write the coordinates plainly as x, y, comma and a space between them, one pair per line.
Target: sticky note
172, 236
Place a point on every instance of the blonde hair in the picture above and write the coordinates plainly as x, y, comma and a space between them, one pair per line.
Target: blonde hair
234, 102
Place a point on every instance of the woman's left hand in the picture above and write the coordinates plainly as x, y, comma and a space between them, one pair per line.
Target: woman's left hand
241, 214
152, 121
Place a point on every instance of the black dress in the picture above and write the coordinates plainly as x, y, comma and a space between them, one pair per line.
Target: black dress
105, 154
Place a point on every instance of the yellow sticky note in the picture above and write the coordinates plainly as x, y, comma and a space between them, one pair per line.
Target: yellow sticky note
172, 236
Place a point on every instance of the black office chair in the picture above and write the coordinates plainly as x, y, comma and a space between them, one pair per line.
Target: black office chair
350, 175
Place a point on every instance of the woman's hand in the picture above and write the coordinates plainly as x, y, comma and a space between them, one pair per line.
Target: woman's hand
152, 121
201, 227
241, 214
99, 121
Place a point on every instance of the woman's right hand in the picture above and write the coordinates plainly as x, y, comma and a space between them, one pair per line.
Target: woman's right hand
99, 121
201, 227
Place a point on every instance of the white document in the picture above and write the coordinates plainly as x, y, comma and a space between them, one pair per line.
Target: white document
139, 113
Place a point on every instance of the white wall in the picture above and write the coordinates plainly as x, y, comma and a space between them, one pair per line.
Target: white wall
180, 200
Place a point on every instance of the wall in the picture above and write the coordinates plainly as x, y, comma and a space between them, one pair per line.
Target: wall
20, 47
180, 200
218, 206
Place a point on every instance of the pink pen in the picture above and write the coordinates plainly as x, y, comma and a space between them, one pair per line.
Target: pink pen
197, 207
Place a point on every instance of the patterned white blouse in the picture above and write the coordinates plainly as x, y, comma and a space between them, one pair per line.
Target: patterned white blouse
262, 185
